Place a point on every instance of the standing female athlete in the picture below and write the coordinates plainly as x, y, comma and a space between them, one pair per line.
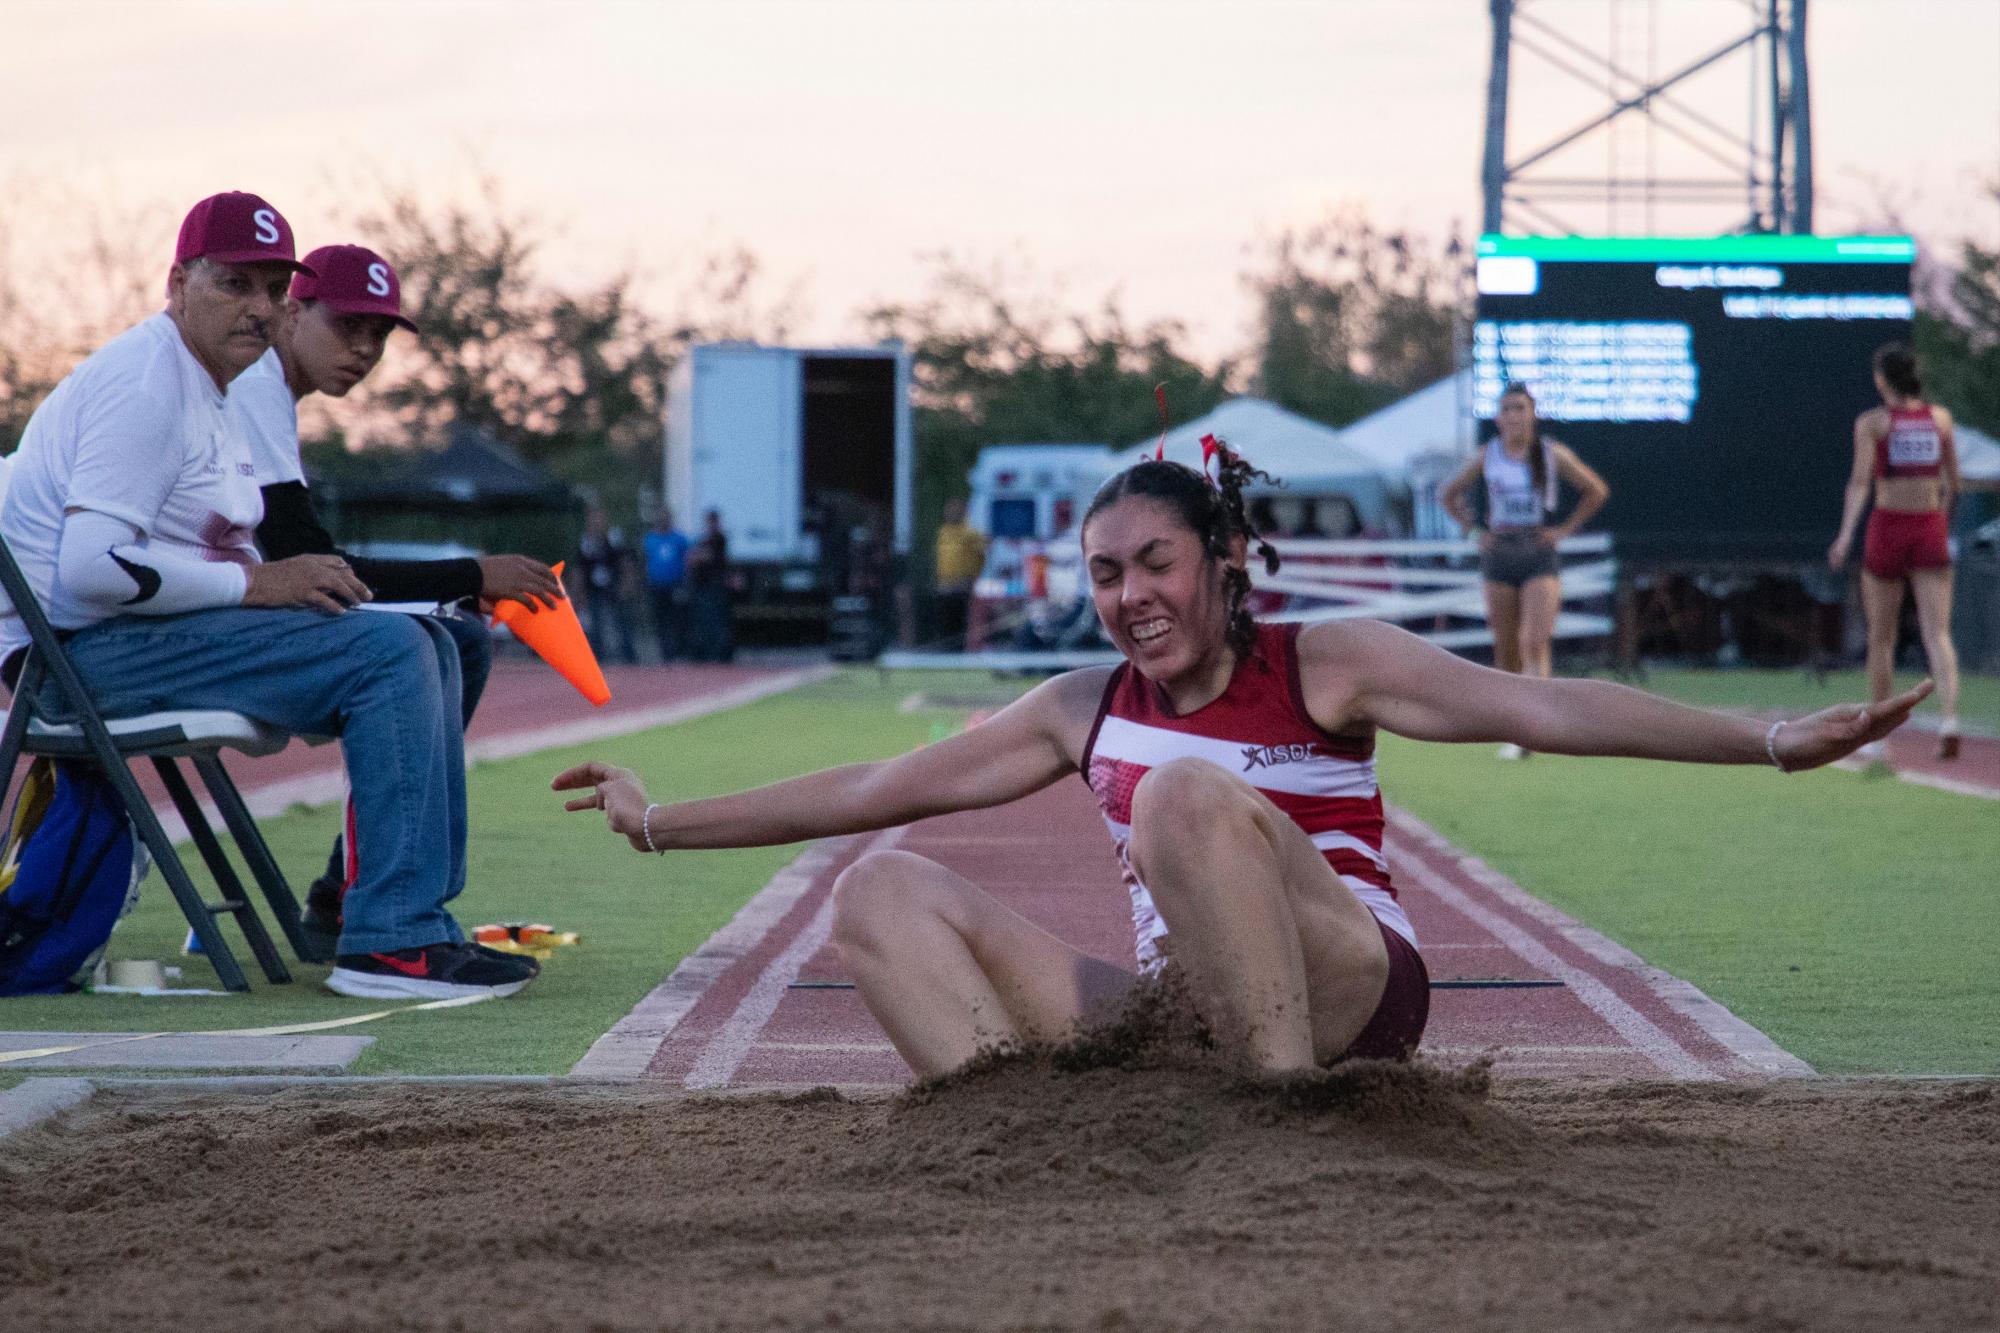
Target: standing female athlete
1517, 548
1905, 449
1234, 767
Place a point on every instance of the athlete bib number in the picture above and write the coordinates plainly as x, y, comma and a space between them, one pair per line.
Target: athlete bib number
1914, 446
1514, 509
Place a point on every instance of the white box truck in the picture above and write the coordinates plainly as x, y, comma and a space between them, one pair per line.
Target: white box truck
806, 454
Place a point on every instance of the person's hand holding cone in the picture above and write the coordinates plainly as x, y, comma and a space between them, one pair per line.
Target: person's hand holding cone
557, 637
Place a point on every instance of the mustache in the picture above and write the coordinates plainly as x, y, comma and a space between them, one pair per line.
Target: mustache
260, 328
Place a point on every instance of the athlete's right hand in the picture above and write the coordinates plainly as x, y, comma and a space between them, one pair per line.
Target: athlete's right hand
314, 582
1836, 554
617, 792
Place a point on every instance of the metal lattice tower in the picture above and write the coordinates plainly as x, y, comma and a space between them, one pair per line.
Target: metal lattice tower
1683, 151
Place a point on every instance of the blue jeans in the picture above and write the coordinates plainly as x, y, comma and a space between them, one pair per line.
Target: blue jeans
475, 664
387, 684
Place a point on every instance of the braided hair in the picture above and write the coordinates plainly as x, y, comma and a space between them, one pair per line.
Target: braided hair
1214, 513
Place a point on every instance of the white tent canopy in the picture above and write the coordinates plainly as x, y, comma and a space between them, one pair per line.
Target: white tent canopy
1431, 424
1308, 458
1978, 457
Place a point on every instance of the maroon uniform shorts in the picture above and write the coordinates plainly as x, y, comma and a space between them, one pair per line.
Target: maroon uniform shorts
1398, 1022
1899, 541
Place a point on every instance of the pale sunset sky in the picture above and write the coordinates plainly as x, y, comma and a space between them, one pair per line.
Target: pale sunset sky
1133, 146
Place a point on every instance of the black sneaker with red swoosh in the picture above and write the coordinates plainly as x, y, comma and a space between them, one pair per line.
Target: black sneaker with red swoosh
430, 972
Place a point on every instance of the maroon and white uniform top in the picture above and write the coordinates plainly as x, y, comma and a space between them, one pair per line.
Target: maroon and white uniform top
1914, 444
1259, 730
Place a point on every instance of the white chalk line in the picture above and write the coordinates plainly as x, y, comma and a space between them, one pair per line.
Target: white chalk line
628, 1049
1756, 1051
725, 1051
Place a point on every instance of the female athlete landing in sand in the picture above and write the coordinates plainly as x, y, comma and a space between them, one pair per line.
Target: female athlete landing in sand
1234, 766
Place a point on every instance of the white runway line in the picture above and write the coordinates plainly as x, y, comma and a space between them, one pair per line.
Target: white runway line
1668, 1055
718, 1061
1756, 1051
628, 1049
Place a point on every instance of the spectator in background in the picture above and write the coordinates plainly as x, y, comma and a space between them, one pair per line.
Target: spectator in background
960, 554
666, 583
604, 565
714, 640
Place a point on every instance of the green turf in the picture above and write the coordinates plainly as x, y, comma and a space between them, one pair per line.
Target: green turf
639, 915
1853, 919
1797, 692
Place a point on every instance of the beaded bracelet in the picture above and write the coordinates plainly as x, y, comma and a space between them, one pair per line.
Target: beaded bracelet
1770, 748
646, 828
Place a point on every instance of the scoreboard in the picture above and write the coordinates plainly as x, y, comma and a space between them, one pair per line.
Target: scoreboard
1713, 382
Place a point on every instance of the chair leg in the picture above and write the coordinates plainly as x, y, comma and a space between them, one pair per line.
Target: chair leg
256, 853
13, 738
227, 970
235, 899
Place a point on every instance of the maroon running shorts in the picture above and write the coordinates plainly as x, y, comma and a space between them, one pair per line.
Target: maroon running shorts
1398, 1022
1900, 540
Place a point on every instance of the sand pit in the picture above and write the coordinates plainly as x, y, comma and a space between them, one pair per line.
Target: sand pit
1023, 1197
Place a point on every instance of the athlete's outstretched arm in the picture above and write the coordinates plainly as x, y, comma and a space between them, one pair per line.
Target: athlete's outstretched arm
1023, 748
1368, 671
1855, 499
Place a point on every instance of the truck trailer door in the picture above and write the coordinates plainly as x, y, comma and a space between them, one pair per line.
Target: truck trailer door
745, 425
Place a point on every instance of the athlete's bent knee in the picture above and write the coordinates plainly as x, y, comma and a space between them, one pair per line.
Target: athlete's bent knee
1184, 784
1186, 801
879, 893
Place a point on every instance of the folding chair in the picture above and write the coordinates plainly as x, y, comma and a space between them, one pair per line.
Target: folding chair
164, 738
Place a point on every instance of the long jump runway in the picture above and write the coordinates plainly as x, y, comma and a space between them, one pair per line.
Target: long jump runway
767, 1006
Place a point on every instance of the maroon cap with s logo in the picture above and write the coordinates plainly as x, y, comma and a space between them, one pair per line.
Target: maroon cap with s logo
237, 228
353, 280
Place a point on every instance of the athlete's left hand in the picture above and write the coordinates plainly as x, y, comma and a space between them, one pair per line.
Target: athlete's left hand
1834, 733
1551, 538
617, 792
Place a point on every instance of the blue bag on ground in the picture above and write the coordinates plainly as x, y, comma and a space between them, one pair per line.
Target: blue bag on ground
65, 880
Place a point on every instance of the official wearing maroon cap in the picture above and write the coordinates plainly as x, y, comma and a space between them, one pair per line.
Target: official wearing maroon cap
237, 228
343, 307
227, 284
333, 332
353, 280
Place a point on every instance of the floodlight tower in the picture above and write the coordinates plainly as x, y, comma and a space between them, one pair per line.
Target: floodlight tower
1722, 155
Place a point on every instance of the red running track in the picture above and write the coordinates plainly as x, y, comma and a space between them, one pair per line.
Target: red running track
753, 1010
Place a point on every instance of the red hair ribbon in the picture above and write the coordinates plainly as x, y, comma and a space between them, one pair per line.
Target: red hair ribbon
1210, 447
1160, 397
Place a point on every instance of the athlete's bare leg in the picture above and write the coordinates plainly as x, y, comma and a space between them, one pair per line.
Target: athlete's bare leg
947, 969
1882, 605
1284, 962
1503, 614
1541, 601
1932, 589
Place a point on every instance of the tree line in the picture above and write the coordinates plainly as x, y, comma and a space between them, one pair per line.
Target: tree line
1345, 317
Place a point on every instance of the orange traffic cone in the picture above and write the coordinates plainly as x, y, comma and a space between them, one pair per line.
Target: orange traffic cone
557, 636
